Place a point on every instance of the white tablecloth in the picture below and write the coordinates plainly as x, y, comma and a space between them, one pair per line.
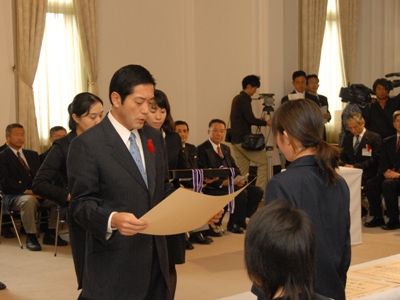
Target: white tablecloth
353, 179
392, 293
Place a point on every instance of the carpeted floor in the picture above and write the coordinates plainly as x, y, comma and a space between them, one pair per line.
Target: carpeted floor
210, 272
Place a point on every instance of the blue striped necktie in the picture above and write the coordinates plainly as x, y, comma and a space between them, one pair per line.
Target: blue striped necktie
135, 152
357, 143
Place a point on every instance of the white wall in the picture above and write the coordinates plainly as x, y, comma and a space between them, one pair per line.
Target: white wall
7, 87
378, 41
199, 51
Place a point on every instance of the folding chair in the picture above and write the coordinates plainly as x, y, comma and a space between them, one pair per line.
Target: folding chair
59, 221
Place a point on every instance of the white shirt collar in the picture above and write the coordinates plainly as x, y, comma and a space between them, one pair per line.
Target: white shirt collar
214, 145
124, 133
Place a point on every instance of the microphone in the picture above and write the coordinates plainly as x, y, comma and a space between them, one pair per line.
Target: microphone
393, 74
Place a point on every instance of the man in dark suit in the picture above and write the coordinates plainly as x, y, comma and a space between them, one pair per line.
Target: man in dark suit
361, 148
118, 171
312, 85
299, 82
18, 167
213, 154
189, 161
56, 132
387, 182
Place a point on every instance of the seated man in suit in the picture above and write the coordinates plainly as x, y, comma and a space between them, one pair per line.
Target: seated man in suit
213, 154
18, 167
299, 82
361, 147
190, 162
386, 182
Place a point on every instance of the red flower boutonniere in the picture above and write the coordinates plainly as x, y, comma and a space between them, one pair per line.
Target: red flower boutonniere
150, 146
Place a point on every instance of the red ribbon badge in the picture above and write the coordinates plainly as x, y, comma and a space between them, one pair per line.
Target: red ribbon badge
150, 146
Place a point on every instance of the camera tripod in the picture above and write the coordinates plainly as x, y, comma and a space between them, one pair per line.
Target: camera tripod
266, 114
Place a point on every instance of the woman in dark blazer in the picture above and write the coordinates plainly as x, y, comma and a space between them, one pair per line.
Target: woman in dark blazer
312, 184
160, 118
85, 111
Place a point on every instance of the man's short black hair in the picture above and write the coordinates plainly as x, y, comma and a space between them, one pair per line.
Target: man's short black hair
180, 122
216, 121
11, 126
253, 80
126, 78
299, 74
311, 76
56, 128
383, 82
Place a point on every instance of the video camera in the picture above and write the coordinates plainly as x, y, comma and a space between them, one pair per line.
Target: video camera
269, 101
356, 93
393, 83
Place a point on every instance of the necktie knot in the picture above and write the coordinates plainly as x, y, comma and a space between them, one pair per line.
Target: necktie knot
219, 152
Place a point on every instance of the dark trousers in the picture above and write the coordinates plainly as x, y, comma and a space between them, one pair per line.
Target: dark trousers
390, 188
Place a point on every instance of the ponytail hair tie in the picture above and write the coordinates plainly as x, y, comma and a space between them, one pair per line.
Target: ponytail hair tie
317, 142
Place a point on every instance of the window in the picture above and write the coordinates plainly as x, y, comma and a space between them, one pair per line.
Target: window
60, 75
331, 67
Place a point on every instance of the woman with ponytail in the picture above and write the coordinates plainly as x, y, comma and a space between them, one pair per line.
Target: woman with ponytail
311, 183
85, 111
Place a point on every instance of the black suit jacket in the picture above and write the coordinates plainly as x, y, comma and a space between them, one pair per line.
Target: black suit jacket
14, 179
369, 164
302, 186
104, 178
208, 158
188, 161
3, 147
307, 96
174, 146
51, 180
189, 157
389, 159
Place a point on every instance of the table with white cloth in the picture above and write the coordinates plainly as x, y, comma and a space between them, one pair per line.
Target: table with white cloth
353, 180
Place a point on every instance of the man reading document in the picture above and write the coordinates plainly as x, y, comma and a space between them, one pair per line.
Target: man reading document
118, 171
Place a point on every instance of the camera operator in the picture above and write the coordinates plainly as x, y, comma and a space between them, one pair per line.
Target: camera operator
378, 114
242, 118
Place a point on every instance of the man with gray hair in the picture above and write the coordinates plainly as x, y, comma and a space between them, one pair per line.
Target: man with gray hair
387, 182
18, 167
361, 147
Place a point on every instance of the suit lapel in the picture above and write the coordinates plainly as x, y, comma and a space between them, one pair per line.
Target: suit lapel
17, 164
212, 155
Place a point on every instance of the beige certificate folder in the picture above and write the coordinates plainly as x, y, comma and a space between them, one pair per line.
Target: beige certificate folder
183, 211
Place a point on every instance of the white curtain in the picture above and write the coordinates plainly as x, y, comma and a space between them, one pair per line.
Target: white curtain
30, 16
313, 19
86, 15
349, 12
60, 74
